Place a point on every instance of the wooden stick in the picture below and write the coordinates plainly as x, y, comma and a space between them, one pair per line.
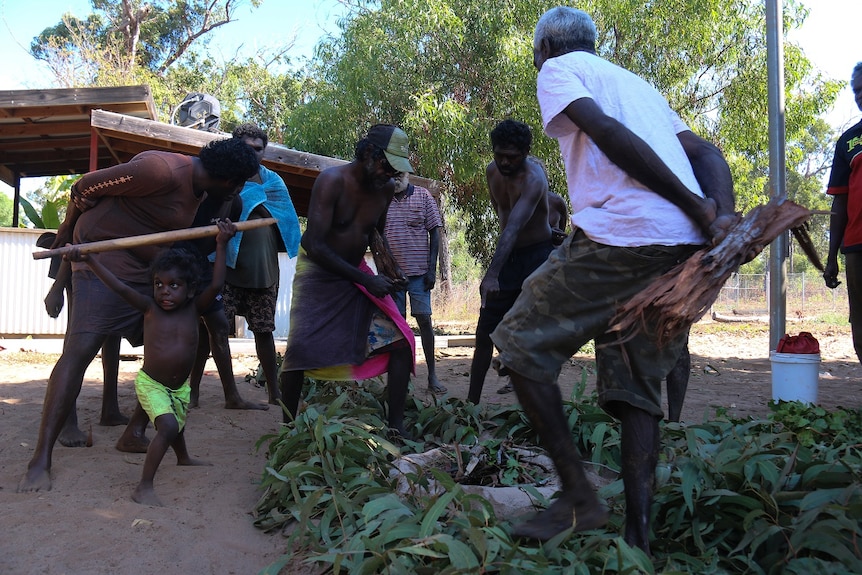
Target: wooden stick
151, 239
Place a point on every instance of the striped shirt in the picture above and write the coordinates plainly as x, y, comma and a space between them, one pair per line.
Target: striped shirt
407, 225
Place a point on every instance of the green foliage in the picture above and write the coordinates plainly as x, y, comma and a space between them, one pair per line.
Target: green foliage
781, 495
6, 208
46, 207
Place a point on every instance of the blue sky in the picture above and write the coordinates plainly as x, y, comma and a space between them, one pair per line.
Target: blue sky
275, 23
829, 38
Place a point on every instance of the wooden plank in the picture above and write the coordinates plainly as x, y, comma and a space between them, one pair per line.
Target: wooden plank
62, 112
42, 156
44, 144
105, 96
41, 129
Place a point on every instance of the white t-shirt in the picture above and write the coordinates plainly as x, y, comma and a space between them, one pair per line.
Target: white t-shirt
611, 207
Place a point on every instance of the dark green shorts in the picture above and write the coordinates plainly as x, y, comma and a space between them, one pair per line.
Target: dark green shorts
571, 300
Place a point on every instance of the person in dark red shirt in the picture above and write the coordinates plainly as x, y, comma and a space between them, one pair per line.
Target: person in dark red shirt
845, 223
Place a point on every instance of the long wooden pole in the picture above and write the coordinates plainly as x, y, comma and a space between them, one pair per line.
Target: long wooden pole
151, 239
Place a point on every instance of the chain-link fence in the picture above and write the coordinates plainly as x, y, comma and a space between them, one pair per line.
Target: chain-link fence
807, 296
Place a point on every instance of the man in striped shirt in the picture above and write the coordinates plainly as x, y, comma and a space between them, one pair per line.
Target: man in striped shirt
412, 232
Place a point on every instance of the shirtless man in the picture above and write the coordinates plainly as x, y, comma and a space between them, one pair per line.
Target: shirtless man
519, 193
337, 300
153, 192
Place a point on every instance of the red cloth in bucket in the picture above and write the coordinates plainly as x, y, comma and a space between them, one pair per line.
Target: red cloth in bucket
802, 343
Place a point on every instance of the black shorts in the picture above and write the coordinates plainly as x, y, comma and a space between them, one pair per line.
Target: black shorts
521, 263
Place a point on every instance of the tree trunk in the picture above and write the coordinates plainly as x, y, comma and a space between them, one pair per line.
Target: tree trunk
445, 263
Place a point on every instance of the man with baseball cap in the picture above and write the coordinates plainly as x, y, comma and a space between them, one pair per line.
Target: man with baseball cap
393, 141
344, 324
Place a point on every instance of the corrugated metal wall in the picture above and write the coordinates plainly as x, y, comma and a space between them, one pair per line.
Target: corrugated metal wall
24, 282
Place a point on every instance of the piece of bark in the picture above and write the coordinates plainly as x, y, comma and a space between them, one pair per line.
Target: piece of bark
677, 299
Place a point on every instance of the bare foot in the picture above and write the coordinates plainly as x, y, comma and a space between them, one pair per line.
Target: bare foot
563, 514
146, 496
240, 403
71, 436
36, 479
133, 443
435, 386
113, 419
275, 400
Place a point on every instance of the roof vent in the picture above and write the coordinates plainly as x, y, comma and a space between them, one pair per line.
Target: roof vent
199, 111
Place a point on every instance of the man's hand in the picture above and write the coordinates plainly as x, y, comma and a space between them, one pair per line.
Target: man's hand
830, 274
83, 203
429, 280
54, 302
721, 226
75, 254
489, 286
381, 285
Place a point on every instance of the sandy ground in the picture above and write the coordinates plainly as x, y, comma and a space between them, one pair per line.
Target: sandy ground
87, 524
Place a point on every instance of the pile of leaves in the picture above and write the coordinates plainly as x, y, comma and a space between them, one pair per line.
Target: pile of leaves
777, 495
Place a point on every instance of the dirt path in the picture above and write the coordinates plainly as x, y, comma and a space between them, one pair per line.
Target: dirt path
88, 525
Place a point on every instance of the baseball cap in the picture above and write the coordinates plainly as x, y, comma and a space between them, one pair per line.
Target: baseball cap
393, 141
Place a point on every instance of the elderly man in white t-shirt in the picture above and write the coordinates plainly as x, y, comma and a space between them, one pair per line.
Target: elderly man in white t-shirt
637, 180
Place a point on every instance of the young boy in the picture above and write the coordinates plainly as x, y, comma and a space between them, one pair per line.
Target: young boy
170, 341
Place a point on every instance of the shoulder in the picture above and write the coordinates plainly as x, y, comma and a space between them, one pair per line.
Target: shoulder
423, 193
535, 174
330, 176
160, 163
852, 132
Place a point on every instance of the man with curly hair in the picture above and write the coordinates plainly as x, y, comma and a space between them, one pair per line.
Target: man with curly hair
518, 188
154, 192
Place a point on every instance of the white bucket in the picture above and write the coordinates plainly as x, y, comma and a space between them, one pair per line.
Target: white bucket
794, 376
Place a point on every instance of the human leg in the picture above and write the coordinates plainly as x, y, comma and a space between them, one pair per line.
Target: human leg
426, 334
258, 307
182, 452
482, 351
639, 444
64, 385
202, 354
219, 330
398, 378
853, 272
290, 383
167, 430
134, 438
111, 414
264, 344
577, 506
677, 384
71, 434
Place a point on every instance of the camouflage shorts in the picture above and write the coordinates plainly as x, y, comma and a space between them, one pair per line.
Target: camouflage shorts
571, 299
257, 306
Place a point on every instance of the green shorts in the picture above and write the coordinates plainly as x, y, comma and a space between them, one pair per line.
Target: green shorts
158, 399
571, 299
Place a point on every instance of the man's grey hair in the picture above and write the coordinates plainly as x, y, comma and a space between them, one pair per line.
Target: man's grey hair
566, 29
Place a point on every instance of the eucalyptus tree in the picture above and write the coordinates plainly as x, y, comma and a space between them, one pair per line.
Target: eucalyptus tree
132, 41
449, 70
